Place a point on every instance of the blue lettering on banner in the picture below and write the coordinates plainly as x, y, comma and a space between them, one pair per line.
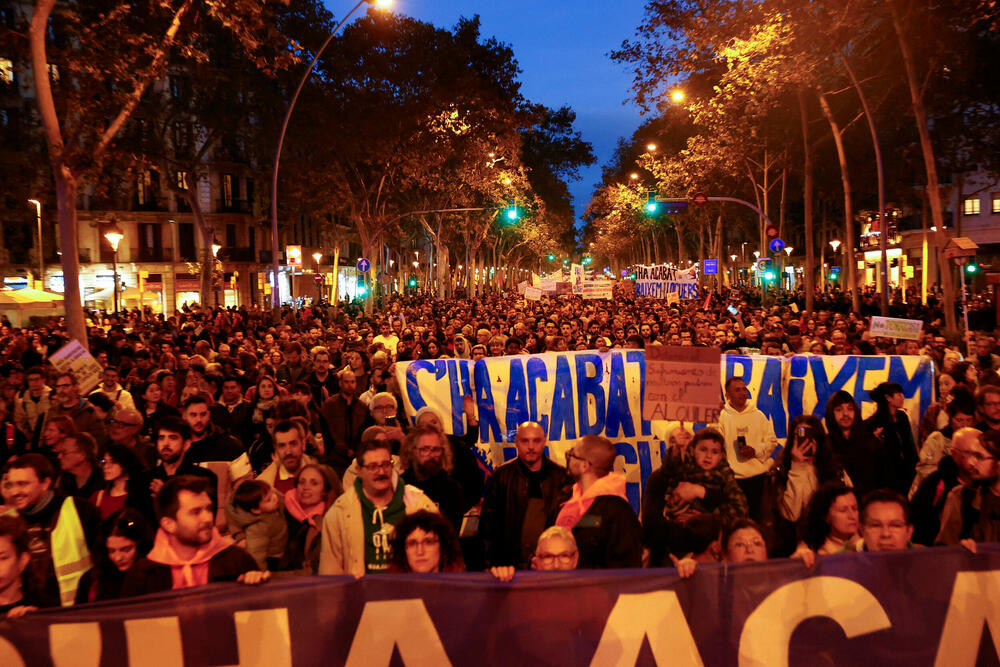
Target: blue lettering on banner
577, 393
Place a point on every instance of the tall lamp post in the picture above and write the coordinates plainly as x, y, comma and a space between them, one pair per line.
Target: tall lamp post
275, 297
114, 235
319, 277
41, 257
216, 247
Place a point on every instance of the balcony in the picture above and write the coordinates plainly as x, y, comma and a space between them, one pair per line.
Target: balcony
150, 204
152, 254
234, 206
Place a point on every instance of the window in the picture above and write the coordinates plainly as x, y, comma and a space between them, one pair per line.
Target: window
185, 241
227, 190
971, 206
144, 188
230, 235
995, 206
182, 180
150, 242
6, 71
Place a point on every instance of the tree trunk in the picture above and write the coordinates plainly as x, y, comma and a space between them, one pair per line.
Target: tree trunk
680, 244
848, 245
807, 191
66, 184
927, 148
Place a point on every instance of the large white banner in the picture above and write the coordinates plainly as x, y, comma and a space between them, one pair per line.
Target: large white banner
577, 393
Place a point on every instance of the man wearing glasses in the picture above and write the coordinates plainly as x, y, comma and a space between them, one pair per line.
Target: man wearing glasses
885, 521
972, 510
68, 403
605, 526
357, 530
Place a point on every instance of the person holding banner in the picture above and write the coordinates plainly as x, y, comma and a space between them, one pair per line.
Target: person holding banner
750, 440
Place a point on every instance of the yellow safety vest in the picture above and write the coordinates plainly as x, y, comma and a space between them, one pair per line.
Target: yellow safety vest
70, 554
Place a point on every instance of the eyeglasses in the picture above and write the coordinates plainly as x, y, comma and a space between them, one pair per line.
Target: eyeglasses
376, 467
975, 456
752, 544
570, 454
426, 543
565, 557
430, 450
108, 462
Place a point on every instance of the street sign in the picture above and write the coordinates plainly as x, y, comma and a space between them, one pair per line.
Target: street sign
776, 246
700, 199
710, 267
364, 265
318, 279
293, 255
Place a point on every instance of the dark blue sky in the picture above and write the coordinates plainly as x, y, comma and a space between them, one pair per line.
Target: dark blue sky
561, 47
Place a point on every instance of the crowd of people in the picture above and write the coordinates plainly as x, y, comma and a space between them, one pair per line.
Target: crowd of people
220, 446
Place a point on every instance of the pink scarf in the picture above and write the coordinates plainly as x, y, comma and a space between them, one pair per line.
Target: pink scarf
300, 513
612, 484
187, 573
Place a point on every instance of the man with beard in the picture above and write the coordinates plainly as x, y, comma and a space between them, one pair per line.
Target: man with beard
232, 413
357, 529
173, 440
605, 526
289, 455
67, 402
522, 499
322, 382
215, 450
972, 510
61, 529
428, 463
189, 550
855, 446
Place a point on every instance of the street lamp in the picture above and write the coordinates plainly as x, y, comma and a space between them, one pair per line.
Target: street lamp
41, 257
650, 147
633, 176
275, 296
733, 257
677, 96
756, 254
319, 278
789, 249
835, 244
216, 247
114, 235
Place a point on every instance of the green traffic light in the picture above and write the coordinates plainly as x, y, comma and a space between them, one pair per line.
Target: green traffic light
651, 207
552, 257
412, 282
769, 275
512, 213
971, 268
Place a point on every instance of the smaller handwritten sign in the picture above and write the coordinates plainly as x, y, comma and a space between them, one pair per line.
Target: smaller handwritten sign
598, 289
894, 327
533, 294
682, 384
74, 358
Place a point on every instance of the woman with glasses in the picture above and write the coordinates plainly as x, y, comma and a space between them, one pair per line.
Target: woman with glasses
119, 466
425, 542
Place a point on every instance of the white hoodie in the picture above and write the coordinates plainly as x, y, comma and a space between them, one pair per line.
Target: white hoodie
757, 429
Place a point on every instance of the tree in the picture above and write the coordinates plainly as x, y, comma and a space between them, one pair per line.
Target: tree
101, 82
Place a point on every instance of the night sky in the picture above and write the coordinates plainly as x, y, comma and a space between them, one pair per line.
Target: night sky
562, 48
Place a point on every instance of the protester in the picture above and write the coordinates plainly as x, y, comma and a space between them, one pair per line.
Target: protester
122, 474
125, 538
427, 462
972, 510
289, 455
885, 522
749, 439
522, 498
17, 594
832, 519
255, 515
81, 476
891, 425
188, 549
316, 487
357, 529
425, 542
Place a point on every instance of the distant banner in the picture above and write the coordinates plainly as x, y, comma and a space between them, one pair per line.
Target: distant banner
598, 289
576, 393
659, 281
918, 607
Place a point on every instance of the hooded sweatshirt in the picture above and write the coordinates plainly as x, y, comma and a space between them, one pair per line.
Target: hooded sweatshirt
754, 425
378, 525
266, 534
187, 573
612, 484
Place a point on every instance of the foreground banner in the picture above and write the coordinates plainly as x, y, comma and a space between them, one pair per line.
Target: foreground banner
577, 393
923, 607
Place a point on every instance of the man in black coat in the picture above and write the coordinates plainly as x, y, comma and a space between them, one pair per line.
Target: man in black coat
603, 522
522, 499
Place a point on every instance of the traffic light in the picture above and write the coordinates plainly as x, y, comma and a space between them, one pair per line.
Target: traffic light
552, 257
512, 212
412, 282
971, 268
362, 290
769, 275
587, 260
651, 204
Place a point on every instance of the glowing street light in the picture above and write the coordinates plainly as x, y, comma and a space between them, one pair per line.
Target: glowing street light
633, 176
756, 254
114, 235
789, 249
677, 96
835, 244
650, 147
733, 257
216, 247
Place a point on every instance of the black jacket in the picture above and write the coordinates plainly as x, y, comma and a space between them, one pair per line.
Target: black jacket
147, 577
445, 491
506, 503
608, 536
